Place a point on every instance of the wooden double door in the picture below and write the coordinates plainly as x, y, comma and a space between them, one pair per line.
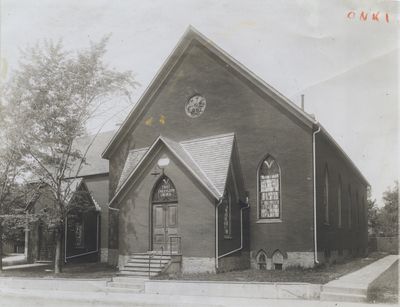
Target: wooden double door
165, 227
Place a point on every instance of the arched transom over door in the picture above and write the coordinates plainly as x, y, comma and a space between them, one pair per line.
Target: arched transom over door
164, 215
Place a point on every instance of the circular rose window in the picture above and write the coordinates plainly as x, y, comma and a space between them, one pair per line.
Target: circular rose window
195, 106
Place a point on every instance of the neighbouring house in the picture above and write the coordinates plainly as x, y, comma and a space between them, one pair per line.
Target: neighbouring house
87, 224
217, 169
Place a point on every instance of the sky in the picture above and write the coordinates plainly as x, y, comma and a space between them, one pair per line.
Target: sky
342, 55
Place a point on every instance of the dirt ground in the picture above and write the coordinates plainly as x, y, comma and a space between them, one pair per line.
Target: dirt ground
386, 288
318, 275
71, 270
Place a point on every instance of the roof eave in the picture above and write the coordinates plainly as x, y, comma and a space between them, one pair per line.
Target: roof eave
214, 194
343, 153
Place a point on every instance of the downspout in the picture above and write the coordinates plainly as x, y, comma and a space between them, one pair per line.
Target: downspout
65, 239
315, 198
216, 231
241, 234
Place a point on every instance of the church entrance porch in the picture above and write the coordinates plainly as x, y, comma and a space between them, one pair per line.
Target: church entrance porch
165, 217
165, 228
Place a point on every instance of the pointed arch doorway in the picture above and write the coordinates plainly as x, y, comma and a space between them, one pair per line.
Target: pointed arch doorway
164, 209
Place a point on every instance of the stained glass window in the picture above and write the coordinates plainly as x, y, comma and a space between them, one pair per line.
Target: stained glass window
226, 207
326, 195
339, 203
165, 191
79, 242
349, 209
269, 189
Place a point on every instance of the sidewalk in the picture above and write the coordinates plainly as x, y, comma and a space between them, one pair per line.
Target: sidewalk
25, 297
14, 259
354, 286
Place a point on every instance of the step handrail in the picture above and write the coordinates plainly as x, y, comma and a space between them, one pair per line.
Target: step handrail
179, 238
162, 254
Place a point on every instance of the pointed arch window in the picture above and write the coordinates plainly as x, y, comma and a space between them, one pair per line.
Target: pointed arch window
339, 203
164, 191
227, 219
357, 209
349, 209
326, 196
269, 187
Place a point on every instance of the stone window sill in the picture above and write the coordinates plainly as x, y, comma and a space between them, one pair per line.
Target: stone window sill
271, 221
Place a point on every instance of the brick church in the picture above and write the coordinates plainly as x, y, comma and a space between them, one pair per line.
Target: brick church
219, 170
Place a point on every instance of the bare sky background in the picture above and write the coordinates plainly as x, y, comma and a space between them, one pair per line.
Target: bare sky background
346, 67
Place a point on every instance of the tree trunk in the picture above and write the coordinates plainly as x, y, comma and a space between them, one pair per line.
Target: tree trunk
1, 246
58, 258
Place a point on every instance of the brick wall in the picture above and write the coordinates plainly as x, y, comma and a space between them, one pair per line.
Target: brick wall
353, 233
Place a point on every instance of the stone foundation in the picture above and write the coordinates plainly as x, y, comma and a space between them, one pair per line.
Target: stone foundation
198, 265
113, 257
122, 260
293, 259
104, 255
237, 261
302, 259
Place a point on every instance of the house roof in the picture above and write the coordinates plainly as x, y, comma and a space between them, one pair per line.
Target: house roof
94, 164
208, 159
70, 187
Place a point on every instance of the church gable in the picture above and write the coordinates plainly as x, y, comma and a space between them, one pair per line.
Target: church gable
197, 62
208, 159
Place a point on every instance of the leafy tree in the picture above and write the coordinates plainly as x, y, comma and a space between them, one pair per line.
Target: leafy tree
388, 216
10, 168
53, 95
372, 213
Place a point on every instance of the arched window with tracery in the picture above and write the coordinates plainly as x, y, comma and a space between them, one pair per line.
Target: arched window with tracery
226, 213
339, 202
164, 191
269, 187
349, 209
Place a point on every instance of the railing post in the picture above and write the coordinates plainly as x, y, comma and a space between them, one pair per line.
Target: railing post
150, 256
162, 254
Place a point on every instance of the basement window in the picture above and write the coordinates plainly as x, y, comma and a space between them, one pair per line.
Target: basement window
261, 260
277, 260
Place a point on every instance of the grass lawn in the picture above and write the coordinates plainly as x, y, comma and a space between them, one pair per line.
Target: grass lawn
318, 275
70, 270
386, 288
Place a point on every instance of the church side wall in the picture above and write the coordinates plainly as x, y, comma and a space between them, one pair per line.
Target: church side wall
335, 241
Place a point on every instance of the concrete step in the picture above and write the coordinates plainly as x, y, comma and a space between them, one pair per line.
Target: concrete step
342, 297
126, 285
138, 274
140, 269
130, 279
345, 290
123, 290
146, 258
145, 265
147, 261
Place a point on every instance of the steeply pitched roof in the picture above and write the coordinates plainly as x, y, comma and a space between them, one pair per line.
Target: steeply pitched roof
94, 163
189, 36
70, 188
208, 159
